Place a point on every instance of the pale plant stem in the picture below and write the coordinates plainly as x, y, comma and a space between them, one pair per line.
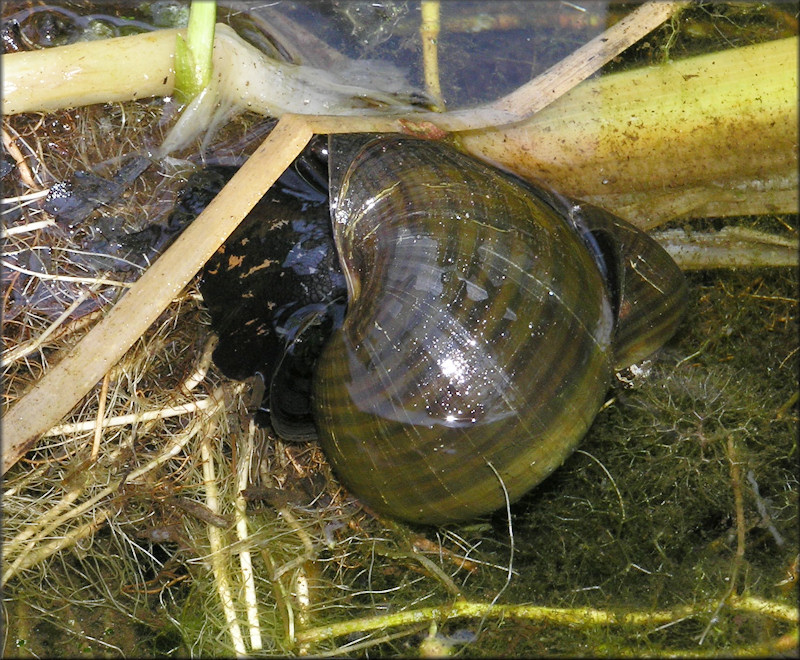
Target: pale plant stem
730, 245
30, 197
770, 608
243, 535
65, 278
106, 71
218, 550
133, 418
658, 142
203, 365
429, 32
26, 228
101, 411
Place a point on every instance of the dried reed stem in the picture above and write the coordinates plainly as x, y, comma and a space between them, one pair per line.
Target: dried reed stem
82, 367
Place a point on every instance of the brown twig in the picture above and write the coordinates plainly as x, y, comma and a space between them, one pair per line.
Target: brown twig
83, 366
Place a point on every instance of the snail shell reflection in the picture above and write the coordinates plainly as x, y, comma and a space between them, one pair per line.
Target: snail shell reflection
484, 321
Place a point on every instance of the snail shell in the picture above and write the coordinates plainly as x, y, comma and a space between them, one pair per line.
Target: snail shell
485, 318
479, 340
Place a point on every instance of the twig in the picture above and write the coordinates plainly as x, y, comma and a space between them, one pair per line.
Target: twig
82, 367
118, 75
567, 73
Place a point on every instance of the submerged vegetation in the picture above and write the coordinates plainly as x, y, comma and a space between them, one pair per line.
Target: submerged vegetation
156, 520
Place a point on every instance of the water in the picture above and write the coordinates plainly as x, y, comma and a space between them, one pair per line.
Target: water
645, 518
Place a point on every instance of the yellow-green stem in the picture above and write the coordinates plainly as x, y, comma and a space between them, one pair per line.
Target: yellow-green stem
193, 55
666, 140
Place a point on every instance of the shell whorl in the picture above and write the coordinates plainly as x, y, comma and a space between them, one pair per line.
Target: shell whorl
477, 342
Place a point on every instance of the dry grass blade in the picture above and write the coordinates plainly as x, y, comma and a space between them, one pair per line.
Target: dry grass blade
64, 385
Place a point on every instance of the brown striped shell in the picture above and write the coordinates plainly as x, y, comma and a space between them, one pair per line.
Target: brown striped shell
485, 319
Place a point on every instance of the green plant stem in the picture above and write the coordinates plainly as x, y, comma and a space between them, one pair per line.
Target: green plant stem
711, 135
576, 616
193, 55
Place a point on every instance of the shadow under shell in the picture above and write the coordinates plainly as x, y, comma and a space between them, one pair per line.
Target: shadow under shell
275, 291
